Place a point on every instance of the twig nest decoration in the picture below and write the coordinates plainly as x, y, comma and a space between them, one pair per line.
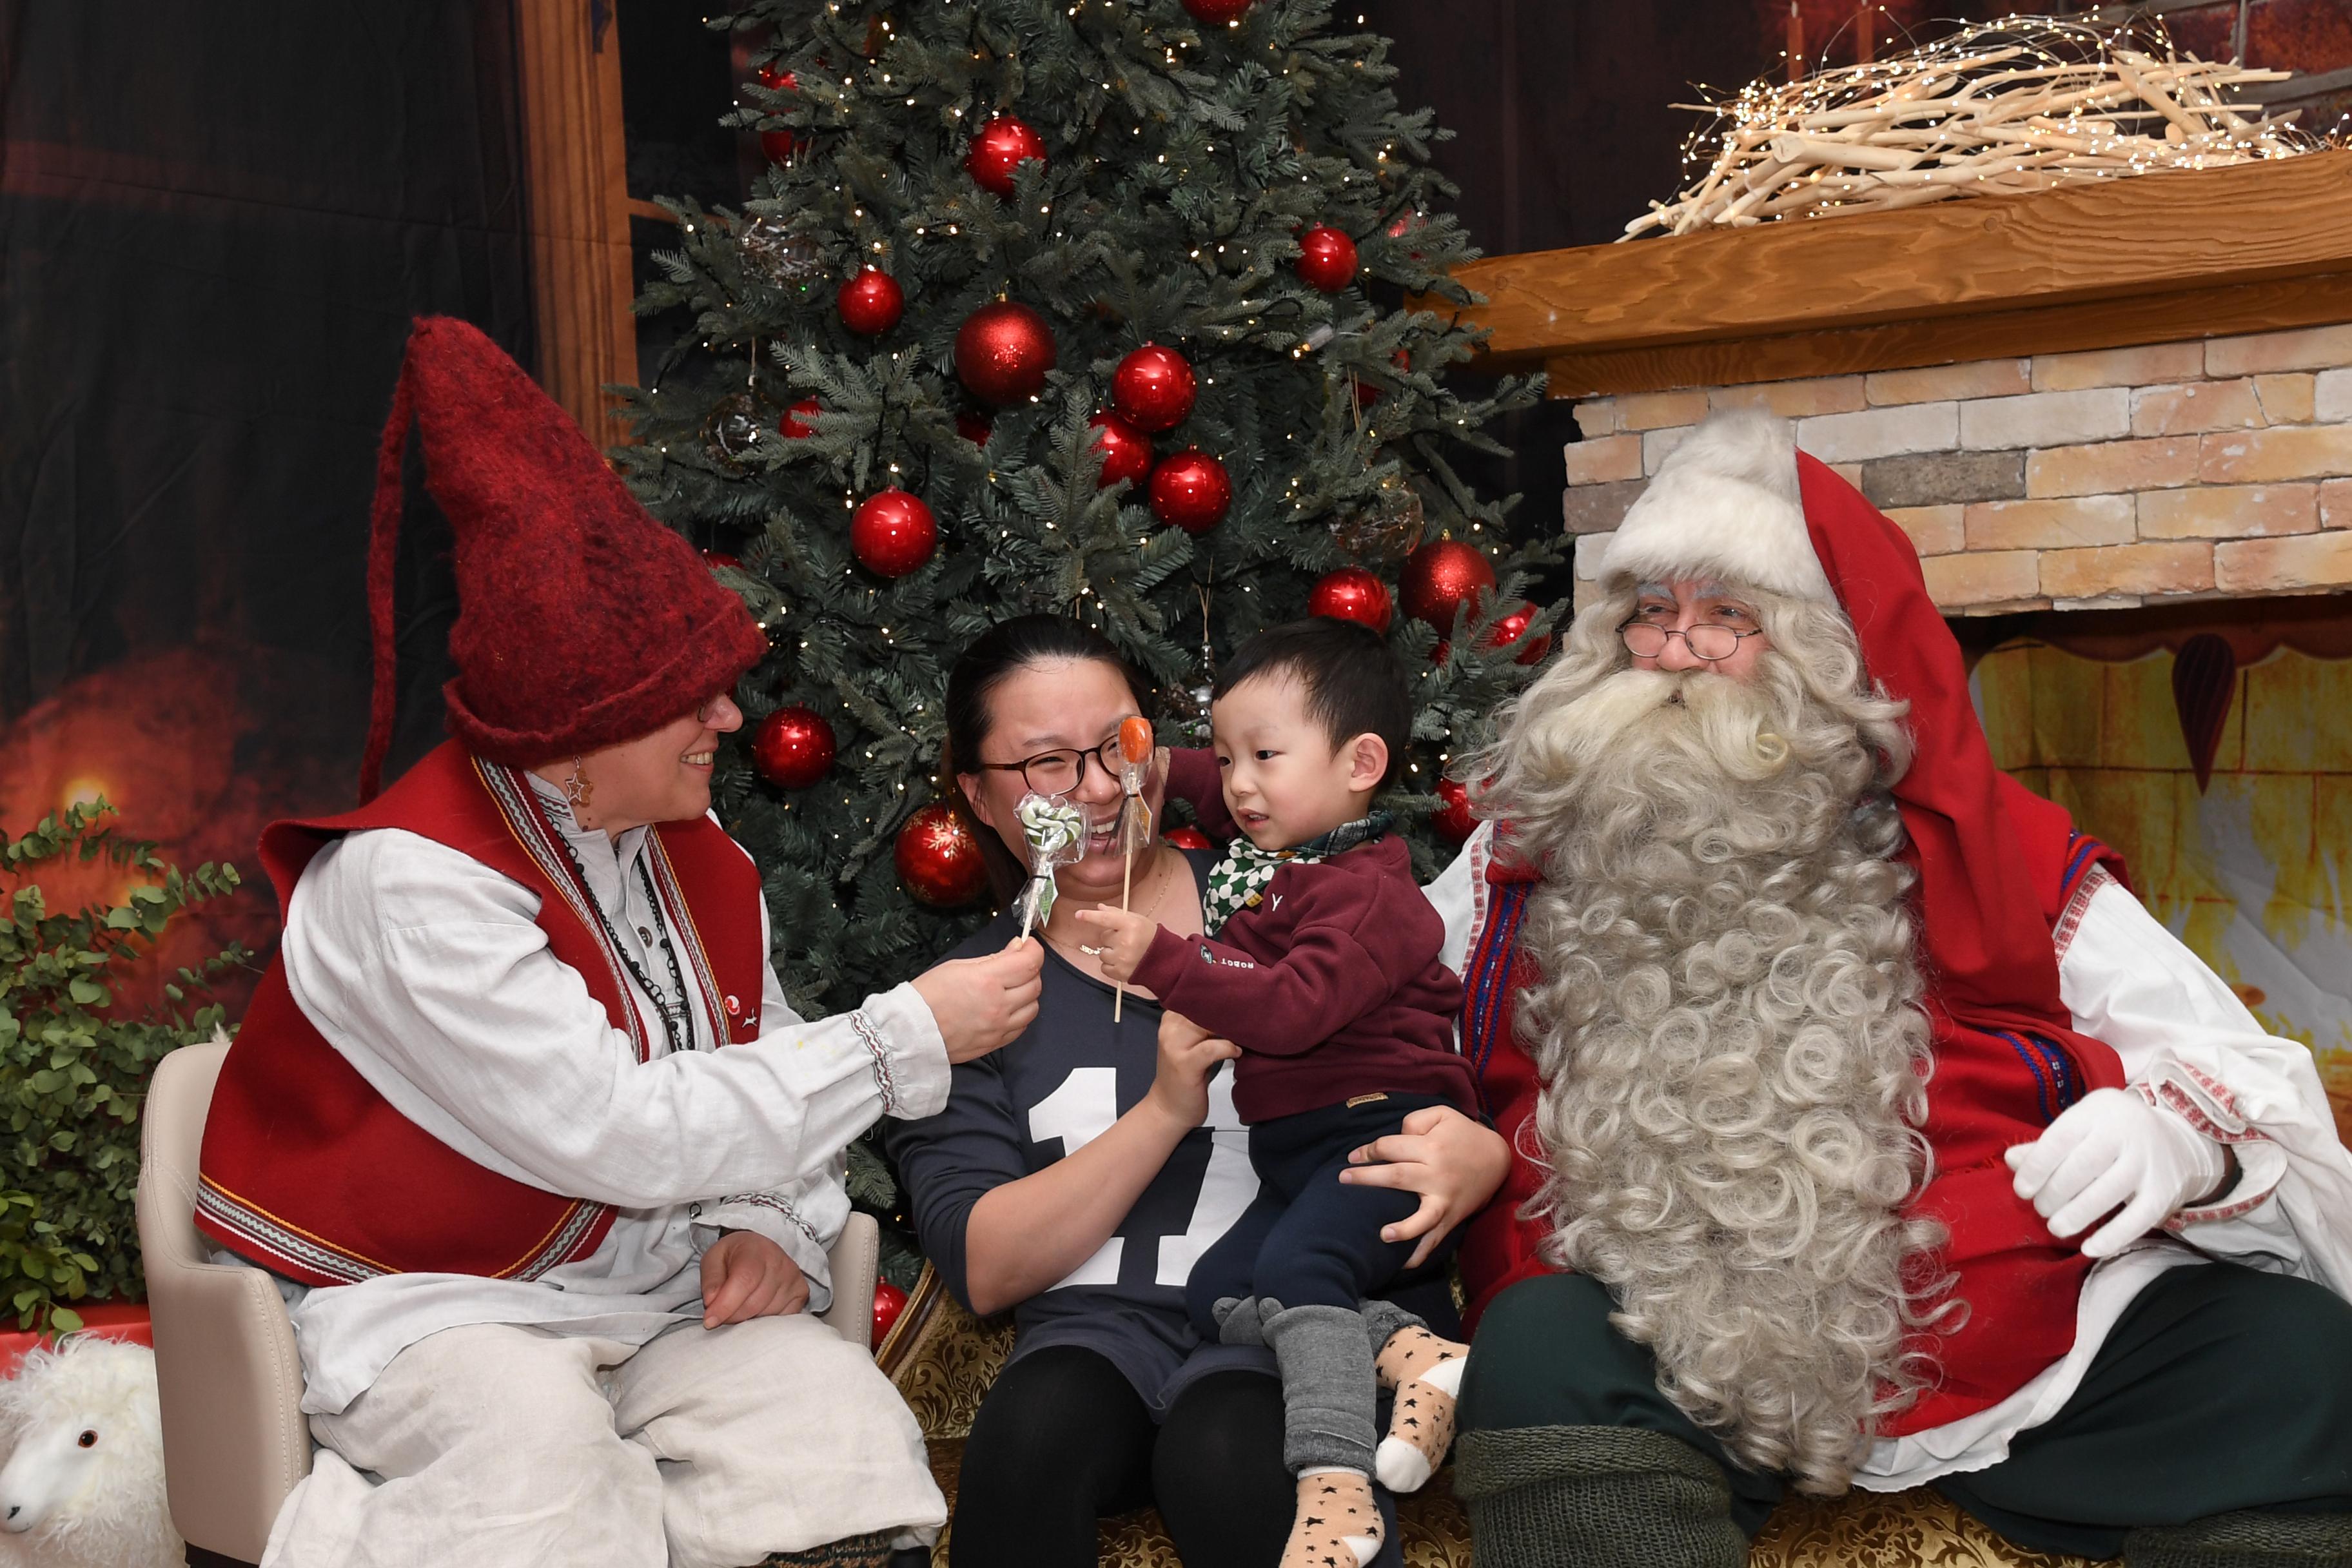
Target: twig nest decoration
2014, 105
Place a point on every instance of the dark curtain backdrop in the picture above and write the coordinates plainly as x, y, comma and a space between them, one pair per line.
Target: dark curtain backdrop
216, 222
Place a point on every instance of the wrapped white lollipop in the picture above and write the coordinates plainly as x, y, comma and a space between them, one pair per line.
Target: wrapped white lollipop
1056, 831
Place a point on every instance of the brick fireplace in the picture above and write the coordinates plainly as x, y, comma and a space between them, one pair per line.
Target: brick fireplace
2097, 480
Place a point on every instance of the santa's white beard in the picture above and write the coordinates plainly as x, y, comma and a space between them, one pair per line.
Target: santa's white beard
1731, 1047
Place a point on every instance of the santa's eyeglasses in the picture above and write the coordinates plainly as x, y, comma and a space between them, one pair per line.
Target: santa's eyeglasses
1647, 639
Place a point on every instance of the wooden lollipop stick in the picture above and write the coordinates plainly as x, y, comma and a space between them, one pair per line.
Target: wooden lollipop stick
1126, 877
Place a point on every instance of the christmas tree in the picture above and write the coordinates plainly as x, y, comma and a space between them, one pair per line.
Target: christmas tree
1129, 309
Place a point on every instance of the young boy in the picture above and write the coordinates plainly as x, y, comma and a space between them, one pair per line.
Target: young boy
1324, 969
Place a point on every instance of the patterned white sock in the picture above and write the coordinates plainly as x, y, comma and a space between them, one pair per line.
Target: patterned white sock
1336, 1512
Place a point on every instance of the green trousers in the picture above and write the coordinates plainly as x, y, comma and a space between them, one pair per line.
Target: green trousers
2222, 1389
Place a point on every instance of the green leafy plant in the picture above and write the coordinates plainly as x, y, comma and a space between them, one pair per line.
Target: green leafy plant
74, 1066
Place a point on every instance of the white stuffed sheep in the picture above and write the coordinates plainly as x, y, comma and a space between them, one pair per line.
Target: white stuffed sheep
83, 1487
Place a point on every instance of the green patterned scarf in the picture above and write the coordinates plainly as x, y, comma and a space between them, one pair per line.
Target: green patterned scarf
1236, 881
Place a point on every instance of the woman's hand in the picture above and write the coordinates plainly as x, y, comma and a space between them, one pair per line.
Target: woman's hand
982, 1003
1122, 937
1187, 1055
1454, 1164
746, 1276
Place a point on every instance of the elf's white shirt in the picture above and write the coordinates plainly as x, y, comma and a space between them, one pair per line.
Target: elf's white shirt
2179, 1030
425, 968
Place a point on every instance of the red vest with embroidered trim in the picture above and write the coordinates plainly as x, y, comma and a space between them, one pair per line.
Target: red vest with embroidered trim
307, 1170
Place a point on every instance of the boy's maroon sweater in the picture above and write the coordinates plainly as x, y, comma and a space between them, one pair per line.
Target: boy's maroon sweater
1331, 983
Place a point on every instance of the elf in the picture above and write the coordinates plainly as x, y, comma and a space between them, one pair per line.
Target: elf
541, 1162
1321, 963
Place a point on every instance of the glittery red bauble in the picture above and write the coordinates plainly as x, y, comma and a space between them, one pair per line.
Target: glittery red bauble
1507, 630
792, 748
893, 532
1440, 577
1003, 353
1125, 450
1216, 13
1452, 818
1191, 491
889, 1302
997, 148
793, 427
1353, 593
1189, 838
1326, 260
718, 558
1153, 388
974, 427
938, 858
871, 303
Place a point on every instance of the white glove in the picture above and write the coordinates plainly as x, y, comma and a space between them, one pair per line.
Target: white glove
2111, 1148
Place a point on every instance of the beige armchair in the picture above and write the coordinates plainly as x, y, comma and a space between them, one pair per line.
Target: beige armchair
234, 1438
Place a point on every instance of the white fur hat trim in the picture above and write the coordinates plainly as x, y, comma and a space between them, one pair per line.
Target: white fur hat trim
1725, 503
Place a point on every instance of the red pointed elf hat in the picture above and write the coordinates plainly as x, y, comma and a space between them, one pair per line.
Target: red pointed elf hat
581, 622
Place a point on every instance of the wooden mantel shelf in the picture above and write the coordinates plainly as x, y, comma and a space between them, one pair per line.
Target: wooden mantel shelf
2250, 247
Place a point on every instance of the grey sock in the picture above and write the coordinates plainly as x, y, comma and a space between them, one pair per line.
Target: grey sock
1238, 1321
1383, 1319
2246, 1540
1594, 1497
1328, 1390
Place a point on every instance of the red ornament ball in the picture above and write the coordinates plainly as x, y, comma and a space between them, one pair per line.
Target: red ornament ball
793, 425
780, 145
974, 427
938, 858
1189, 838
714, 559
1326, 260
998, 148
889, 1302
893, 532
1508, 630
1452, 818
1003, 353
792, 747
1353, 593
1153, 388
1191, 491
1125, 450
1216, 13
871, 303
1443, 576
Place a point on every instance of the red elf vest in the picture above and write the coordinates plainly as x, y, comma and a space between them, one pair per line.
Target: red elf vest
308, 1171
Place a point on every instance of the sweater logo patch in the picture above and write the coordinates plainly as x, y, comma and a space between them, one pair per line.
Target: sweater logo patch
1209, 955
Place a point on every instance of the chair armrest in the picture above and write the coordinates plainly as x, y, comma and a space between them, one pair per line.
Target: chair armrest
857, 1263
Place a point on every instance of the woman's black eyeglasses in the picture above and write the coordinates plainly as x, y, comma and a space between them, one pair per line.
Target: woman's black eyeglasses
1647, 639
1062, 771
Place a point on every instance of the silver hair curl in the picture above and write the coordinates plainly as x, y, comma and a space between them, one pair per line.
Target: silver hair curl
1727, 1024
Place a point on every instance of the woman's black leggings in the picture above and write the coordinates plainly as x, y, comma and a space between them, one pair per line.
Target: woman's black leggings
1062, 1438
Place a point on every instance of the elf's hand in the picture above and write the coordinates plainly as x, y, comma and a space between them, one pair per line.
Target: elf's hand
2113, 1152
1121, 939
745, 1276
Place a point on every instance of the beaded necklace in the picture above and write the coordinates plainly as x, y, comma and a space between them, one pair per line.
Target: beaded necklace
672, 1017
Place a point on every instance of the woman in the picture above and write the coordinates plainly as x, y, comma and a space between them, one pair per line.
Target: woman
1076, 1176
543, 1166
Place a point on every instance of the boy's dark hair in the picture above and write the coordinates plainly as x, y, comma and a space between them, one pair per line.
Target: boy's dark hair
1355, 683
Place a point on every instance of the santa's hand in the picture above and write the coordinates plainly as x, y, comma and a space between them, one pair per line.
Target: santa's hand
745, 1276
1122, 938
2113, 1152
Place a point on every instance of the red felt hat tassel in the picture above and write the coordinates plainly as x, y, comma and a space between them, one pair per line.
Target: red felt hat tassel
383, 548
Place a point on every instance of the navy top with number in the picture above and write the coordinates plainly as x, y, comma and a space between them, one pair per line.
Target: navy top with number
1062, 1083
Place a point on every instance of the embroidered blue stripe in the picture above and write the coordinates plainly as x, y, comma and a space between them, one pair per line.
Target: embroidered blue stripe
1491, 976
2080, 855
2055, 1085
2038, 1066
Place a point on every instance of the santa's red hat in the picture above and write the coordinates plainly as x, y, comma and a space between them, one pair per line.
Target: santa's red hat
581, 622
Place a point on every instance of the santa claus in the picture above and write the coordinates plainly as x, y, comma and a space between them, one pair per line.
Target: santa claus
1867, 1130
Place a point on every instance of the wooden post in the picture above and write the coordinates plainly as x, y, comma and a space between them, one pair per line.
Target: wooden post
575, 163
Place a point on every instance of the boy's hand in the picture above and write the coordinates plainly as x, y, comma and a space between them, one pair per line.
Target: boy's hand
1187, 1055
746, 1276
1121, 939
